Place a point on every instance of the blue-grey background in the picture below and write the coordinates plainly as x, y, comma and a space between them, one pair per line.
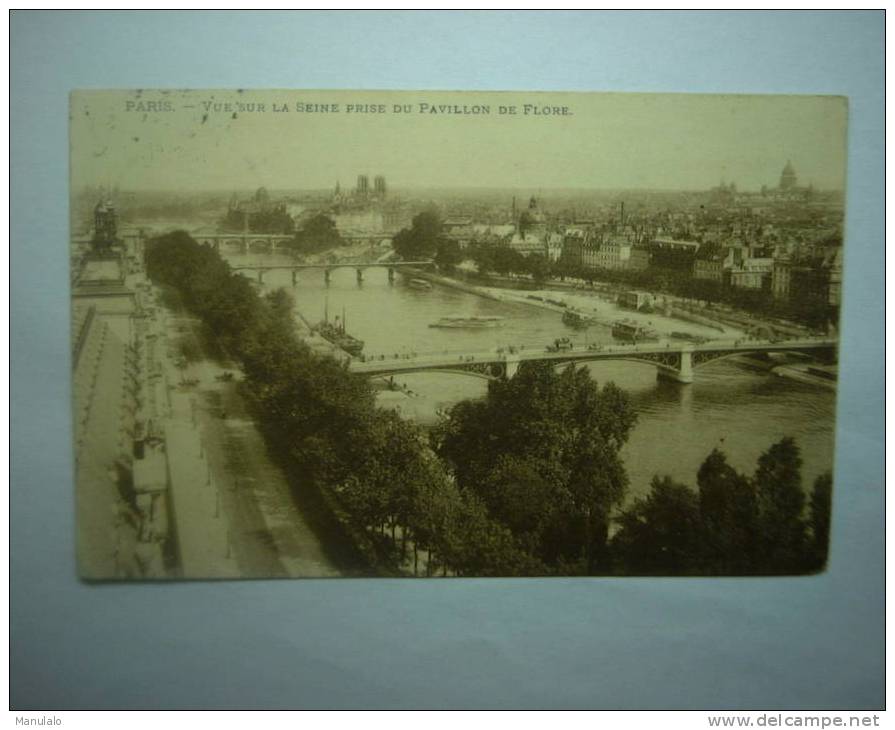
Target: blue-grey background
803, 643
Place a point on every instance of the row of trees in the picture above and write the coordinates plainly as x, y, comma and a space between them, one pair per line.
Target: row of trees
526, 481
732, 525
321, 421
807, 304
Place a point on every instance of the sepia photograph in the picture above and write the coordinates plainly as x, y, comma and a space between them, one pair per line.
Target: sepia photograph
454, 334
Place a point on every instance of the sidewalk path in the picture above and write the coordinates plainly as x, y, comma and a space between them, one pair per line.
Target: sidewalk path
264, 532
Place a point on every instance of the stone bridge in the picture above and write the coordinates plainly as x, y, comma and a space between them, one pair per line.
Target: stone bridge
244, 242
327, 268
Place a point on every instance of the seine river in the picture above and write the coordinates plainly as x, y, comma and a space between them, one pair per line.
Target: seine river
731, 405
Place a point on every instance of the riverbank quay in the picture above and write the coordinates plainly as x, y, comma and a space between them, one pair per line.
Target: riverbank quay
234, 512
579, 299
290, 395
719, 317
452, 283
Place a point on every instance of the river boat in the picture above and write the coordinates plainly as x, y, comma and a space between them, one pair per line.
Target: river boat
334, 333
814, 375
468, 322
625, 329
577, 320
420, 284
698, 339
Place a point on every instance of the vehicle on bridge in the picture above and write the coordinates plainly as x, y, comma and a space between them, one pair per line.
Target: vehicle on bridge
560, 344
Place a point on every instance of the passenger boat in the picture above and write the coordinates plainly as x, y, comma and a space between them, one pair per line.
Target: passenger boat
334, 332
421, 284
468, 322
625, 329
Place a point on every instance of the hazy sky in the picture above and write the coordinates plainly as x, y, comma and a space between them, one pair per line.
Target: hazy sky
179, 140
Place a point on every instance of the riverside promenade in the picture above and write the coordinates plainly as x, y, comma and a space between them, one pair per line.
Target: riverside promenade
232, 506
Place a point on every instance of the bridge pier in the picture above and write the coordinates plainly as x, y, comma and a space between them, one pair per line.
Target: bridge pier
360, 276
511, 368
260, 276
294, 277
682, 374
326, 276
391, 275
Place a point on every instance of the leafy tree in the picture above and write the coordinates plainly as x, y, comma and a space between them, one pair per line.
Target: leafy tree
505, 260
274, 220
318, 233
780, 499
660, 534
485, 547
483, 257
538, 267
518, 494
541, 452
448, 254
821, 503
422, 239
728, 511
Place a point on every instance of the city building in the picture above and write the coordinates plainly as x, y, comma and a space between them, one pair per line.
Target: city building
752, 273
614, 253
709, 269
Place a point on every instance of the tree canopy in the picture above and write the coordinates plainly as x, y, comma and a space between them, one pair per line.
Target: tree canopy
541, 452
423, 239
318, 233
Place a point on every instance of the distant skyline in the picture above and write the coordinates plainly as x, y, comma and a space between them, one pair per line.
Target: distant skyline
191, 141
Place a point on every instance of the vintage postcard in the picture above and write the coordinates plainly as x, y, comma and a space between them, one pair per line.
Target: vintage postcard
440, 334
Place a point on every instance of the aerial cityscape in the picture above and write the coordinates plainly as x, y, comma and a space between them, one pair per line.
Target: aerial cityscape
379, 376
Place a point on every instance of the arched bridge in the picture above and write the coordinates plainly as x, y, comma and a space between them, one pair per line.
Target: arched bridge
327, 269
244, 242
672, 360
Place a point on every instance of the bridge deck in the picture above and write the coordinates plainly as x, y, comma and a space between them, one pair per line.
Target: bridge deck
447, 360
340, 265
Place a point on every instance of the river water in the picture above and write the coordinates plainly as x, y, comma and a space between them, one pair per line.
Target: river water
732, 405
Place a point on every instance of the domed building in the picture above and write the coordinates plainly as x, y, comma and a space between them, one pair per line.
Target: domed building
788, 179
